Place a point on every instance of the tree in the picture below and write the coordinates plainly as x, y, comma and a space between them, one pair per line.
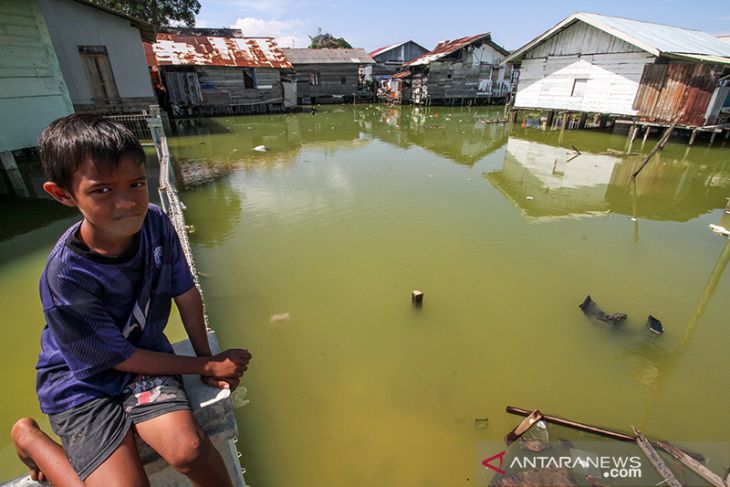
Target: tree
156, 12
328, 41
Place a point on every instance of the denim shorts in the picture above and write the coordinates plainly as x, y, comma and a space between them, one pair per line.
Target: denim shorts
92, 431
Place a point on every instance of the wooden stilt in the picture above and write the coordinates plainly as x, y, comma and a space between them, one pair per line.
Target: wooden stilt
632, 136
647, 131
582, 121
712, 138
13, 172
550, 118
692, 137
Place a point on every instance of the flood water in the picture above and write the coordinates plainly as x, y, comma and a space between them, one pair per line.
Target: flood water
309, 252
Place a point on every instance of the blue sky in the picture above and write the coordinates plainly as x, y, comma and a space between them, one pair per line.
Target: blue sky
374, 23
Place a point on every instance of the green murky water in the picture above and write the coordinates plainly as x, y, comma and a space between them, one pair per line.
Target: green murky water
310, 251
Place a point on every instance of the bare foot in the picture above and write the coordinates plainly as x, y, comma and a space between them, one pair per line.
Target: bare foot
23, 433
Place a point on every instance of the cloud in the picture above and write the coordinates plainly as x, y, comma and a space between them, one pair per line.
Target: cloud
267, 6
287, 33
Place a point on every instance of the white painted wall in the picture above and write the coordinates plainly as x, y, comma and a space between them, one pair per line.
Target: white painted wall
611, 67
72, 24
612, 82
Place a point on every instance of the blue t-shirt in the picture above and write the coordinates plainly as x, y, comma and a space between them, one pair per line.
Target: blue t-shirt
99, 309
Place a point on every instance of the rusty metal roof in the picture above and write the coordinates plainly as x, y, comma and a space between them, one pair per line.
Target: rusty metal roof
327, 56
444, 48
387, 48
656, 39
402, 74
202, 50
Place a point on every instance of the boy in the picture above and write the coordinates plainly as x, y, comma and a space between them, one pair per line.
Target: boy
106, 369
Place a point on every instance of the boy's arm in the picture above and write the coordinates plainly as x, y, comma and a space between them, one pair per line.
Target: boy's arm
190, 306
231, 363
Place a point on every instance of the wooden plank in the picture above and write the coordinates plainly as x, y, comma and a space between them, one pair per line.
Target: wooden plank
655, 459
693, 464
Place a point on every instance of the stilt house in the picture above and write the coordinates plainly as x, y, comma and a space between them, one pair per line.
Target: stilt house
101, 56
219, 72
617, 66
328, 75
389, 60
466, 70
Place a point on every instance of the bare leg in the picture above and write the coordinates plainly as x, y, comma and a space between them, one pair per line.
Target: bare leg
178, 439
45, 458
123, 468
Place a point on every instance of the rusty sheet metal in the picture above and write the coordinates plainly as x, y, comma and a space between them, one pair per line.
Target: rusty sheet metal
402, 74
201, 50
444, 48
667, 90
387, 48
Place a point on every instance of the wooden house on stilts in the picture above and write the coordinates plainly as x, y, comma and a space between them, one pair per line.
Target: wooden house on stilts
219, 72
637, 72
462, 71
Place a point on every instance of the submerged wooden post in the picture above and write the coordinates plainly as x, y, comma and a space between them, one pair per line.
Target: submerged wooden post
659, 146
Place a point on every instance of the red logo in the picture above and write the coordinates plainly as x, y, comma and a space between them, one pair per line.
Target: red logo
487, 463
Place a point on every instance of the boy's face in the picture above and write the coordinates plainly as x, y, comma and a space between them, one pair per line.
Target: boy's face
114, 203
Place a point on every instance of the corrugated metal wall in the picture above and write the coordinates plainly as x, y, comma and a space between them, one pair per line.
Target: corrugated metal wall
668, 90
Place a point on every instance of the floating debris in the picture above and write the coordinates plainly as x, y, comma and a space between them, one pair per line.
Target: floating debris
260, 148
417, 297
655, 325
481, 423
591, 309
720, 230
198, 172
279, 317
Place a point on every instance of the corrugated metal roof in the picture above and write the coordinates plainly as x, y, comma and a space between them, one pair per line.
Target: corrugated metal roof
202, 50
402, 74
324, 56
444, 48
657, 39
383, 49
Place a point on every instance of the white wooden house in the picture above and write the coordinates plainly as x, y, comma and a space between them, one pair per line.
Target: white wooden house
610, 65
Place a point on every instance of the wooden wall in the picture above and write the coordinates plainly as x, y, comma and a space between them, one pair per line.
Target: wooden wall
611, 68
221, 89
612, 81
331, 87
32, 89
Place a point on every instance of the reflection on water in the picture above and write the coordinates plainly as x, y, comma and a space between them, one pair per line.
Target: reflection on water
349, 209
552, 181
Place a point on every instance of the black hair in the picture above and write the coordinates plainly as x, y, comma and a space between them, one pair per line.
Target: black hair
69, 141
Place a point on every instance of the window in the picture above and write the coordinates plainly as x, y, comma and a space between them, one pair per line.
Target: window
98, 72
579, 86
249, 79
314, 79
343, 80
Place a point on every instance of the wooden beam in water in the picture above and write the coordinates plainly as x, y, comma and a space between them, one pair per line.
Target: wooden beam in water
692, 464
655, 459
659, 146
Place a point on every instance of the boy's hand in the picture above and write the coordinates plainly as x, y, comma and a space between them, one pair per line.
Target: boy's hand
231, 363
221, 382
